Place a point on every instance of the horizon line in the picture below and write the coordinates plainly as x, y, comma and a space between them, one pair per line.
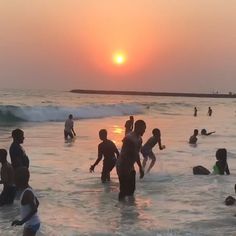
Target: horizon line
170, 94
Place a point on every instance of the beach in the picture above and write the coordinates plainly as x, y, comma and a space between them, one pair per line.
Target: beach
168, 201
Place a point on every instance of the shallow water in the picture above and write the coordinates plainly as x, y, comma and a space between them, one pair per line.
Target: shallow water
169, 201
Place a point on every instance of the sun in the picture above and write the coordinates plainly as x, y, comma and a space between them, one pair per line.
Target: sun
119, 58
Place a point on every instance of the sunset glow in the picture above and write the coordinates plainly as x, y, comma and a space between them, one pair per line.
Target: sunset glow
119, 58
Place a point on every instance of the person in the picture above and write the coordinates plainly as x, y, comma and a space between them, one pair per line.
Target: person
129, 154
129, 125
69, 127
209, 111
17, 153
193, 138
221, 165
195, 111
7, 179
229, 201
146, 149
110, 152
28, 203
204, 132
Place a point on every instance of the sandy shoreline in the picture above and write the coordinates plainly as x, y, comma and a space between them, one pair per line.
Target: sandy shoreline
111, 92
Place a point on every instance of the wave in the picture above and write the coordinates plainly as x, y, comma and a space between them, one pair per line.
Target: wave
57, 113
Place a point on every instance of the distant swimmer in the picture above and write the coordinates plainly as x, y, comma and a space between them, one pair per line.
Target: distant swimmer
221, 165
209, 111
109, 151
204, 132
146, 149
129, 124
195, 111
193, 138
69, 128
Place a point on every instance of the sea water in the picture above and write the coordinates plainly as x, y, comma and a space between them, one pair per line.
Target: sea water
168, 201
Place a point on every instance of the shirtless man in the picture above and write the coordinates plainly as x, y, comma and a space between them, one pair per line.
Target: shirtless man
69, 128
128, 157
129, 124
109, 151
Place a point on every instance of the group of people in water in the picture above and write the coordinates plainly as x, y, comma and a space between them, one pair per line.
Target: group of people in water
15, 175
128, 156
209, 112
15, 179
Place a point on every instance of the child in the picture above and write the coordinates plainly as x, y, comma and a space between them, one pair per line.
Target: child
28, 203
221, 166
7, 179
193, 138
146, 149
110, 152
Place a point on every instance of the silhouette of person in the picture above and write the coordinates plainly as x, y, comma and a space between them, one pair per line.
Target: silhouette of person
17, 153
69, 128
146, 149
129, 154
110, 152
129, 125
204, 132
7, 179
193, 138
28, 204
221, 165
209, 111
195, 111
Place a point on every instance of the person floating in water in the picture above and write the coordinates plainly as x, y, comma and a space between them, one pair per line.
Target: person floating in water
193, 138
110, 152
146, 149
204, 132
195, 111
7, 179
17, 153
129, 154
209, 111
28, 204
69, 128
221, 165
129, 124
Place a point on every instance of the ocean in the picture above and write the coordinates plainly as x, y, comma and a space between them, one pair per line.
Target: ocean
169, 200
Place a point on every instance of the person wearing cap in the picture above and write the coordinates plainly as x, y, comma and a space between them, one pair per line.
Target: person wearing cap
17, 153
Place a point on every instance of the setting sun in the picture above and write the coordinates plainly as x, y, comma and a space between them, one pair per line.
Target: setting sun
119, 58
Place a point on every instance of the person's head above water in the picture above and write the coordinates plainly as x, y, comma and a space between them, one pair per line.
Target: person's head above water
203, 132
221, 154
140, 127
103, 134
156, 132
195, 132
70, 116
229, 201
18, 135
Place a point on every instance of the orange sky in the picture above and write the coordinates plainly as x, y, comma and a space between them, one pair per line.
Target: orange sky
183, 45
